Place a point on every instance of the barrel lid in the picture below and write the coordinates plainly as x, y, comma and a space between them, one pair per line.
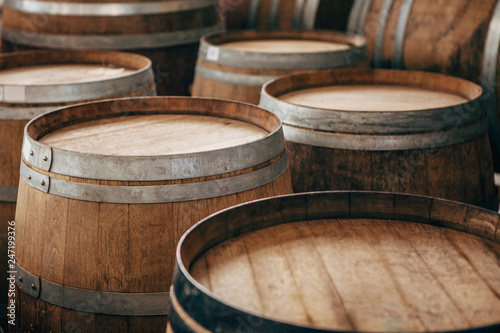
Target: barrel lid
341, 261
151, 139
213, 49
114, 74
453, 115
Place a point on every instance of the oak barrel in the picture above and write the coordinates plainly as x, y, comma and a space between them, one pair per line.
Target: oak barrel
167, 32
385, 130
340, 262
234, 65
459, 38
32, 83
299, 14
108, 189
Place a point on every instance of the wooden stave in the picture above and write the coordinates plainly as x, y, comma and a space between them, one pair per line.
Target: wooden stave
172, 77
262, 67
364, 123
196, 309
390, 29
280, 185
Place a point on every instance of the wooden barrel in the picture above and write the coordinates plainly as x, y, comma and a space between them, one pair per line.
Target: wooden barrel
459, 38
340, 262
108, 189
299, 14
385, 130
168, 32
235, 65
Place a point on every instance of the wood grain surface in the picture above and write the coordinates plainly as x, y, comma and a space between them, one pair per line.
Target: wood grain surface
374, 98
285, 46
153, 135
367, 275
60, 74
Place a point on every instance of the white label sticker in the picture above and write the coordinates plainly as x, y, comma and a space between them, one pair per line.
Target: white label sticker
213, 53
1, 93
14, 93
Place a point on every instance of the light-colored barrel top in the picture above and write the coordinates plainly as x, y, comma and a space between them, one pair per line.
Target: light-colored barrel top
35, 78
283, 49
61, 74
339, 261
375, 107
285, 46
153, 135
154, 139
380, 97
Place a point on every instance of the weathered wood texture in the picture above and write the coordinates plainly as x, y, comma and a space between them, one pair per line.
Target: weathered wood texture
331, 14
461, 171
379, 263
441, 36
241, 90
431, 172
173, 65
126, 248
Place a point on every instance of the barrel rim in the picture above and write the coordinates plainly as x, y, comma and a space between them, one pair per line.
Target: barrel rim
290, 78
183, 280
106, 8
160, 167
212, 51
141, 77
216, 38
433, 127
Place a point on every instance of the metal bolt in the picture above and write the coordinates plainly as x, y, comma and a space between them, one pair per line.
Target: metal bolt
45, 158
29, 177
43, 183
31, 153
20, 279
33, 286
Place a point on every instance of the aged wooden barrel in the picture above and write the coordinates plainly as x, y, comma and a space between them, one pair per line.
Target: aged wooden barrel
234, 65
168, 32
385, 130
459, 38
340, 262
108, 189
299, 14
